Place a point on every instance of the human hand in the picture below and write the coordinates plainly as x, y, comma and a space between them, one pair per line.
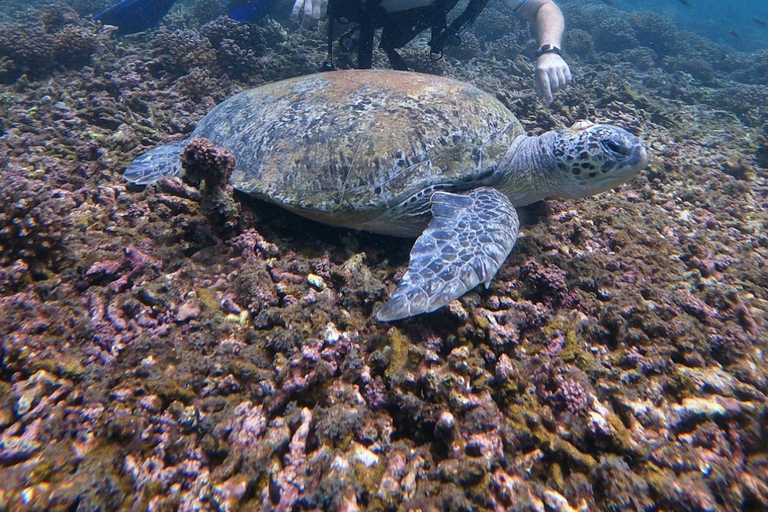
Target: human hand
310, 11
552, 74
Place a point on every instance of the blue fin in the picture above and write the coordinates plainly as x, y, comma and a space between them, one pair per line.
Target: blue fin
249, 10
131, 16
161, 162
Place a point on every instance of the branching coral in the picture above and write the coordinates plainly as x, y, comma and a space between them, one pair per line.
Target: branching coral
207, 10
57, 38
33, 221
238, 45
699, 68
642, 57
178, 51
654, 31
610, 29
611, 360
579, 42
203, 161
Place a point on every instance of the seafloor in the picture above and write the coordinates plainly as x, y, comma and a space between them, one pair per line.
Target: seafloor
160, 353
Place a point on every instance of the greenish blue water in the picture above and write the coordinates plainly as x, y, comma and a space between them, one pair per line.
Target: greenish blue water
736, 23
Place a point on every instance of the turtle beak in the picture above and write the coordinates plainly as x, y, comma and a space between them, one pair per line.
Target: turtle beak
637, 159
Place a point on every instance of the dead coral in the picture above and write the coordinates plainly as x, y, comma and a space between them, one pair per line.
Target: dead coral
655, 31
57, 38
208, 10
179, 51
549, 284
617, 488
239, 46
204, 162
123, 382
34, 221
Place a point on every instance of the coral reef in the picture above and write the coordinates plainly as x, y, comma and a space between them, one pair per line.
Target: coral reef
34, 221
178, 51
203, 162
239, 46
181, 347
580, 43
654, 31
761, 155
59, 38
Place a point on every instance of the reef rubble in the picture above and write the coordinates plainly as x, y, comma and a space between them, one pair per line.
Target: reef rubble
184, 347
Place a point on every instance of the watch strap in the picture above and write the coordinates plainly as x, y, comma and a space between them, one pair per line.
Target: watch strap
548, 48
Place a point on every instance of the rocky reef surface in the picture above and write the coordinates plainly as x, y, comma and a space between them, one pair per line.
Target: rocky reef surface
180, 348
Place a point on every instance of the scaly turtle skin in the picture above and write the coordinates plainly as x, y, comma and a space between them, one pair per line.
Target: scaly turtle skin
405, 154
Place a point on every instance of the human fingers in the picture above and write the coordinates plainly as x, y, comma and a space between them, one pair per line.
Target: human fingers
306, 19
298, 6
564, 74
543, 87
323, 8
537, 84
316, 7
561, 81
554, 80
547, 65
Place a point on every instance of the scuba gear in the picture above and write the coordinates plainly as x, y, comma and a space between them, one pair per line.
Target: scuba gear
350, 40
398, 28
451, 35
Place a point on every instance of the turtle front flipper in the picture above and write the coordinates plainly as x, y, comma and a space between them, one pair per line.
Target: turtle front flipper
162, 162
465, 244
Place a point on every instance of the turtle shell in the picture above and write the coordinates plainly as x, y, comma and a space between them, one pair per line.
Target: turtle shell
344, 146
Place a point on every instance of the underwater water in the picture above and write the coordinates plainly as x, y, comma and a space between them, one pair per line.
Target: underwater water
741, 24
189, 344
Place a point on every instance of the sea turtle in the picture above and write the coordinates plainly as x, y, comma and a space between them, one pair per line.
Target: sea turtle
409, 155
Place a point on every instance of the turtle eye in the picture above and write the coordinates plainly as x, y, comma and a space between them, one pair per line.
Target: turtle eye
616, 147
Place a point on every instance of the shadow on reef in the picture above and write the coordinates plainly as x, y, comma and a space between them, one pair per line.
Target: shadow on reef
183, 347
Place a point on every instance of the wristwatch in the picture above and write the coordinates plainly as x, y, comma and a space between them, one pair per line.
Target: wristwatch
548, 48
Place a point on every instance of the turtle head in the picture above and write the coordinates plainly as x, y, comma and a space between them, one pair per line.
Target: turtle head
592, 158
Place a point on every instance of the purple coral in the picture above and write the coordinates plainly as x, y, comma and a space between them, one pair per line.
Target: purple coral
203, 161
549, 284
561, 391
58, 37
34, 221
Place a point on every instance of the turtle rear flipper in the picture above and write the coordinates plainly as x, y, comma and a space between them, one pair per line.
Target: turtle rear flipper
465, 244
161, 162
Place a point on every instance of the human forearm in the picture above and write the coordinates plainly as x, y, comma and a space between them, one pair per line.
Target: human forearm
550, 24
552, 72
